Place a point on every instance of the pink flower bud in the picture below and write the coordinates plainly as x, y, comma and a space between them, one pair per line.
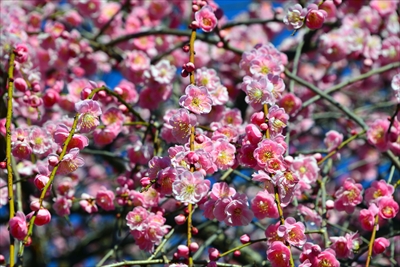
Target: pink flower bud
236, 253
35, 101
36, 87
199, 139
35, 205
145, 181
186, 48
21, 53
380, 245
3, 165
180, 219
192, 157
28, 242
195, 231
244, 239
317, 156
184, 73
194, 247
123, 108
40, 181
50, 98
213, 254
315, 18
43, 217
2, 259
20, 84
85, 93
194, 25
330, 204
18, 226
102, 94
189, 67
220, 44
118, 90
183, 251
53, 160
195, 8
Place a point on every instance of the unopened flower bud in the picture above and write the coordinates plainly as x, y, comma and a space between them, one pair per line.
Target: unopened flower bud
186, 48
195, 231
36, 87
194, 247
213, 254
35, 205
194, 25
85, 93
244, 238
20, 84
183, 251
145, 181
3, 165
43, 217
329, 204
184, 73
53, 160
180, 219
189, 67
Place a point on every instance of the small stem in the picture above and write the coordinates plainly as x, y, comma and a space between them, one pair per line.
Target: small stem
371, 242
159, 248
242, 246
8, 148
53, 174
351, 115
343, 144
191, 144
265, 107
356, 79
120, 99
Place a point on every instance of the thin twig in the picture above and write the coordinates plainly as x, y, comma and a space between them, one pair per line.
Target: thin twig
8, 148
327, 97
356, 79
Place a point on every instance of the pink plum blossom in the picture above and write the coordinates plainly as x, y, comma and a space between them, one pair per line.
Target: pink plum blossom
89, 112
294, 232
348, 196
327, 258
62, 206
367, 217
224, 154
332, 140
237, 211
388, 207
70, 162
88, 203
269, 155
206, 18
182, 122
294, 19
105, 199
343, 245
377, 190
264, 206
196, 99
190, 187
278, 254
